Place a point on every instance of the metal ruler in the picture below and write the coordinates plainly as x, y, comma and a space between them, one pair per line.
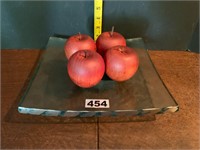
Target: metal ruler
98, 9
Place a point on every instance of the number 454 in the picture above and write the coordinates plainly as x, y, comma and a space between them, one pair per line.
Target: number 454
97, 103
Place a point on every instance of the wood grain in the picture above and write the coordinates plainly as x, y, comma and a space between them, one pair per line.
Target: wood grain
180, 72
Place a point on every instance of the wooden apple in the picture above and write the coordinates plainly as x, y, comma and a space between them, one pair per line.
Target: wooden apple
86, 68
121, 63
109, 39
78, 42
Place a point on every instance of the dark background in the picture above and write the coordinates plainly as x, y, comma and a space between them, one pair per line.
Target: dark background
171, 25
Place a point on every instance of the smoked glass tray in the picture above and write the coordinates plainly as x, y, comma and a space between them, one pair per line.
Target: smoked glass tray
50, 91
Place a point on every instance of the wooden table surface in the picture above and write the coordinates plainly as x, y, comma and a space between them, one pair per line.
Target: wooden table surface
179, 71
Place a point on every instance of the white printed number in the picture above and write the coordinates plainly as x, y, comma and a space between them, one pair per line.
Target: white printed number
97, 103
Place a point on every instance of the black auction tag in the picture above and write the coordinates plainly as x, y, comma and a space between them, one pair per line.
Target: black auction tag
97, 103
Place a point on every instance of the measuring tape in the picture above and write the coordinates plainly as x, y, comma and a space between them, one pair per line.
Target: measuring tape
98, 8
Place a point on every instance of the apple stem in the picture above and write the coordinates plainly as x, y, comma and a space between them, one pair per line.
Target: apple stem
85, 54
112, 31
79, 37
121, 50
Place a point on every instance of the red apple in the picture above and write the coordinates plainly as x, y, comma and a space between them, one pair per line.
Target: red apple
109, 39
78, 42
86, 68
121, 63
